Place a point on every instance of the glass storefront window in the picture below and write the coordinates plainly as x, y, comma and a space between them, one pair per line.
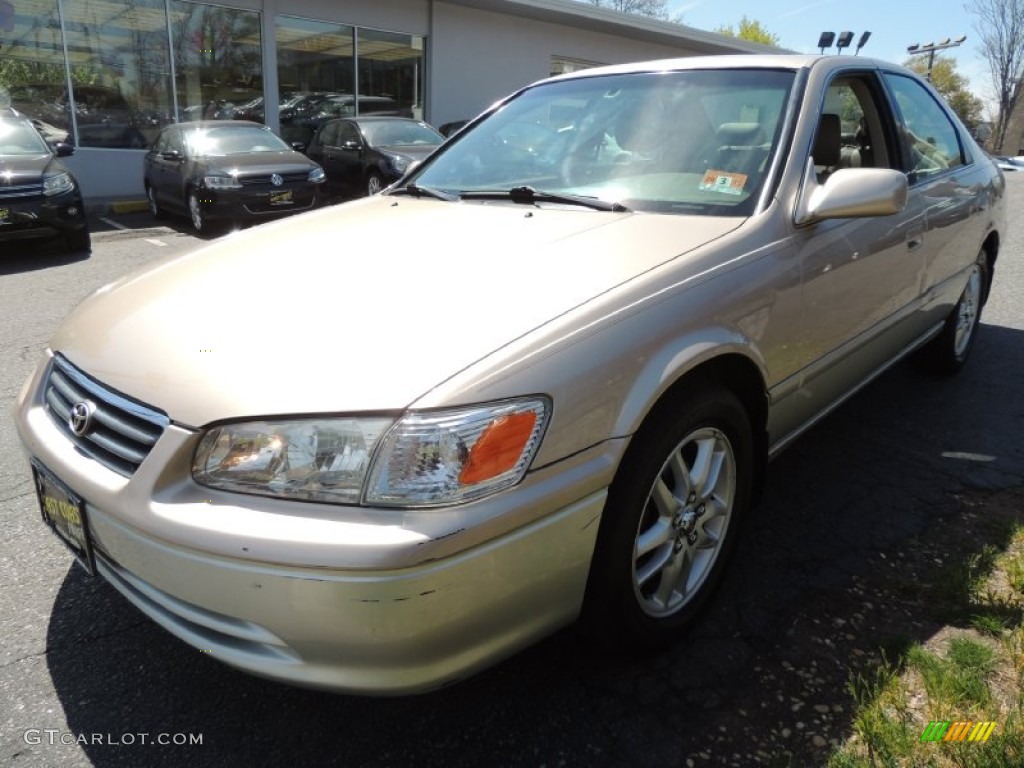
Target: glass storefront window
32, 74
120, 67
390, 73
120, 52
218, 61
315, 73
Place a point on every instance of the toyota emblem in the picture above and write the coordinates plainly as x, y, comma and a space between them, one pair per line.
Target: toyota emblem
276, 180
80, 419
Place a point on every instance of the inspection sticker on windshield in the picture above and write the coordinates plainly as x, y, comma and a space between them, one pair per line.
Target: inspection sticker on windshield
723, 181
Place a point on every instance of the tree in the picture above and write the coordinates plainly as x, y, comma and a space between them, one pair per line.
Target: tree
656, 9
952, 86
750, 29
1000, 23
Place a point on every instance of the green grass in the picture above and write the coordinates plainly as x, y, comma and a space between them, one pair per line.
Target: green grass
974, 672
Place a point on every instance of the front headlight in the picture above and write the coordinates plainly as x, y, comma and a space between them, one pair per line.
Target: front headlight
425, 459
221, 182
399, 162
57, 183
315, 459
317, 175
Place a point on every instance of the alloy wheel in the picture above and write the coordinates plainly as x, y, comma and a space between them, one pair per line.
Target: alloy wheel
684, 522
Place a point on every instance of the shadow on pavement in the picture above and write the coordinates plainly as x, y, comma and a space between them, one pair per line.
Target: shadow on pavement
29, 255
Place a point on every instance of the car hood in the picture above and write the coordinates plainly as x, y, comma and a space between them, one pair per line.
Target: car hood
412, 151
21, 168
285, 161
361, 307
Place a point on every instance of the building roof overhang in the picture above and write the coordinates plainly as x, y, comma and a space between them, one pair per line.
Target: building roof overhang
584, 15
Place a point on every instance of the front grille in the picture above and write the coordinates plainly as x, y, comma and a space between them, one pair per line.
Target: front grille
122, 431
21, 191
264, 179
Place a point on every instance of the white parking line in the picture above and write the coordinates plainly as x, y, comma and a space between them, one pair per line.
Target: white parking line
112, 223
156, 242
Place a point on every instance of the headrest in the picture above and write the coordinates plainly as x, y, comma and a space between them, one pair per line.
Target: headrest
828, 142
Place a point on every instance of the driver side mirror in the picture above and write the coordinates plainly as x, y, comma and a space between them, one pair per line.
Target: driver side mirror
851, 193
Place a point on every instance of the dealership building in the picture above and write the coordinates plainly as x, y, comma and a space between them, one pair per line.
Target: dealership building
107, 74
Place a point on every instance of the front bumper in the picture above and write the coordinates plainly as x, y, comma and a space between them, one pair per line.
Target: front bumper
261, 202
349, 599
42, 217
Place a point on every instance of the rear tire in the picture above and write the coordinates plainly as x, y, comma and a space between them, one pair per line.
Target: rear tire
670, 522
948, 352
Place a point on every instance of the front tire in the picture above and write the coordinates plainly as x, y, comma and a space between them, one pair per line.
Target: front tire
195, 213
670, 522
154, 207
948, 352
373, 184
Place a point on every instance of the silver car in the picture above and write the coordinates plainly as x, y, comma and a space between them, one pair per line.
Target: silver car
378, 447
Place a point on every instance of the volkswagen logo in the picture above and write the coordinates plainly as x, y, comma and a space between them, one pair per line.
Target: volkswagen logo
276, 180
80, 419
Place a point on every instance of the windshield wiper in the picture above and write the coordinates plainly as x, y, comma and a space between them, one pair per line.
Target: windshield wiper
417, 191
527, 194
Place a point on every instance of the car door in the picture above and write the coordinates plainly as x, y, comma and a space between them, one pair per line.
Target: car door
861, 276
177, 168
323, 149
350, 159
946, 186
166, 167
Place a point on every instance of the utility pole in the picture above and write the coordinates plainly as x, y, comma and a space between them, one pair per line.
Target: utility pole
931, 48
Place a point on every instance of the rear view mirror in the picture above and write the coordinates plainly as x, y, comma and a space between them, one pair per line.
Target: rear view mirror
63, 150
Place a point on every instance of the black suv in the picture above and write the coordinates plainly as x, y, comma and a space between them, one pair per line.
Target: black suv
38, 196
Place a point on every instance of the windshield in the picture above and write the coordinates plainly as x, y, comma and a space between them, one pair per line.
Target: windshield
695, 142
388, 132
233, 140
18, 137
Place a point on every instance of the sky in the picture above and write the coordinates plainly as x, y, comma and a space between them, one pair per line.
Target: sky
894, 24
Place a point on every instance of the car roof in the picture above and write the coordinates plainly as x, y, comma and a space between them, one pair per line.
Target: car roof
381, 119
195, 125
730, 61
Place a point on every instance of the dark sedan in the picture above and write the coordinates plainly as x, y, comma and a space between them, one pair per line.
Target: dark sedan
39, 198
228, 170
363, 155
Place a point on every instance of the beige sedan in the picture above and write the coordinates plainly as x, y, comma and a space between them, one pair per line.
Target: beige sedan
378, 447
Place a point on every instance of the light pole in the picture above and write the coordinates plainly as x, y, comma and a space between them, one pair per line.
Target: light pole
930, 48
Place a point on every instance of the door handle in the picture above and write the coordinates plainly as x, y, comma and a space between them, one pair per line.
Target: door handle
914, 243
